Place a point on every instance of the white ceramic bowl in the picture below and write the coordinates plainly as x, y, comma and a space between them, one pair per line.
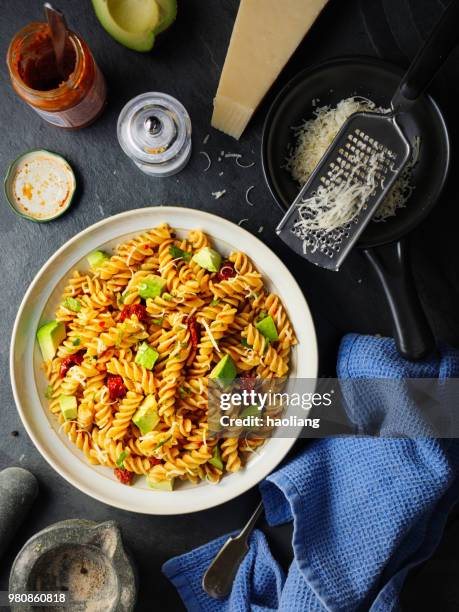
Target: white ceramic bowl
29, 382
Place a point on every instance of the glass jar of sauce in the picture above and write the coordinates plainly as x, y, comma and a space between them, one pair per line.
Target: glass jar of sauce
72, 99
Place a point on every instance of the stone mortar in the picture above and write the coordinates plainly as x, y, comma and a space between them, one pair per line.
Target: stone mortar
82, 558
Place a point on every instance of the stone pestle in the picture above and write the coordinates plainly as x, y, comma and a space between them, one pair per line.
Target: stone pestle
18, 491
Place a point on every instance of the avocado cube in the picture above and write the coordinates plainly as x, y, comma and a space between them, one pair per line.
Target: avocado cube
163, 485
146, 418
216, 460
49, 337
146, 356
69, 409
250, 411
267, 327
208, 259
72, 304
97, 258
225, 370
151, 287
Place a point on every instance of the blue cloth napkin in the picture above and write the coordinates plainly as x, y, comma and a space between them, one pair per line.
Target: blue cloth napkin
364, 510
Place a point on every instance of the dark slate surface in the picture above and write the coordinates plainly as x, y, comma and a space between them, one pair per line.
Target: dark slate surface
187, 65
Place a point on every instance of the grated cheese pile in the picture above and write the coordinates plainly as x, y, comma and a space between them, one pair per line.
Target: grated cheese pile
314, 137
336, 204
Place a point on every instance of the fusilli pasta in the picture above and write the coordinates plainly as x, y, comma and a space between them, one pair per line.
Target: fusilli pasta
143, 330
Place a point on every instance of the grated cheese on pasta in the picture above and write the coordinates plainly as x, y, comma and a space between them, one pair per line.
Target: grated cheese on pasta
101, 346
131, 253
77, 375
104, 394
211, 338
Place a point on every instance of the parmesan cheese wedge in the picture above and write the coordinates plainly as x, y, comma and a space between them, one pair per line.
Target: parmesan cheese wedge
265, 35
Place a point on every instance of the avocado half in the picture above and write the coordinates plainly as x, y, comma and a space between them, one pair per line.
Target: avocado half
136, 23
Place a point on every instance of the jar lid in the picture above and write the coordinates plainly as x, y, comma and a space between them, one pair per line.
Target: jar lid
40, 185
154, 130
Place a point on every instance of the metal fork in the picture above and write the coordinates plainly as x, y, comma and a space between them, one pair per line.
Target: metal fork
219, 577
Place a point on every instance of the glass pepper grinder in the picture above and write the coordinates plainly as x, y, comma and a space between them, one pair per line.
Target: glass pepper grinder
154, 130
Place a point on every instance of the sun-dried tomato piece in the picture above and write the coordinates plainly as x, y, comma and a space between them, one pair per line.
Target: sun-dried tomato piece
69, 362
116, 388
125, 313
139, 310
66, 364
78, 357
124, 476
226, 271
247, 382
195, 330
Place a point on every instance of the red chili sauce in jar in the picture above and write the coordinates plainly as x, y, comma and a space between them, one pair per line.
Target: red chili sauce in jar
71, 100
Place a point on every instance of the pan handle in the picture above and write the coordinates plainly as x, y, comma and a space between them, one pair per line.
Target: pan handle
413, 335
429, 59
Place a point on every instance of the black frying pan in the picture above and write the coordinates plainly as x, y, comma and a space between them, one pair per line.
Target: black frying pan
331, 82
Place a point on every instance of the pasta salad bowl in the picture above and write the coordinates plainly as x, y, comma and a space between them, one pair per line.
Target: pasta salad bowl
80, 451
